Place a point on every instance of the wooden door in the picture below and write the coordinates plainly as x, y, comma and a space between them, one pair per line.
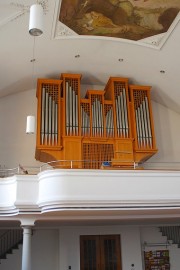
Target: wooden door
100, 252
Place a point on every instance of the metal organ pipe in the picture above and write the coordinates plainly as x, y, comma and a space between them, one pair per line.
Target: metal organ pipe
97, 117
109, 123
100, 117
145, 123
53, 117
122, 115
125, 114
56, 123
85, 122
42, 115
49, 118
143, 126
93, 120
46, 118
71, 111
67, 109
76, 117
50, 122
148, 122
118, 117
138, 128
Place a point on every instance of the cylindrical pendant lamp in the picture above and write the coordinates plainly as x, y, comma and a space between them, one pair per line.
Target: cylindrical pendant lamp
36, 20
30, 124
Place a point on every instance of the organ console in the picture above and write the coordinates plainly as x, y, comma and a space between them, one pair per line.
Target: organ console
113, 125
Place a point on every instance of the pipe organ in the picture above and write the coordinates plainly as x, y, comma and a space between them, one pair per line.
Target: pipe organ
113, 125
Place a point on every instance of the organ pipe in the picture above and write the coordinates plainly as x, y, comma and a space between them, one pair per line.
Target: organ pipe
48, 113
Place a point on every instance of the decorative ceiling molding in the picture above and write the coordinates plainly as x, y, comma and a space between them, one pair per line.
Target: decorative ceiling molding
44, 4
63, 30
11, 18
155, 41
19, 10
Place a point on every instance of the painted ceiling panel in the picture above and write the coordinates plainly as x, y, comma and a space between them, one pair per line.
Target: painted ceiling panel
133, 19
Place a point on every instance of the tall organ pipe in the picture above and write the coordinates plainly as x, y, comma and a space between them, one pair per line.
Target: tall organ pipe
67, 109
138, 128
73, 112
107, 123
53, 119
125, 113
118, 120
111, 123
142, 124
101, 116
76, 118
98, 116
122, 115
49, 119
148, 122
70, 109
56, 123
93, 120
145, 123
42, 115
46, 117
82, 121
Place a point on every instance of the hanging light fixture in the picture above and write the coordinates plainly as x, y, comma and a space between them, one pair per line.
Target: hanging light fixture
36, 20
30, 125
35, 29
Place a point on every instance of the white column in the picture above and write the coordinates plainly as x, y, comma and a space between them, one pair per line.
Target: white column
26, 251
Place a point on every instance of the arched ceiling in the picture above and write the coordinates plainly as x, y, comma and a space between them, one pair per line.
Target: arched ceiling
152, 58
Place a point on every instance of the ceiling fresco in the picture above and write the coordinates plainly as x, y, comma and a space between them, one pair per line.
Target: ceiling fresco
131, 19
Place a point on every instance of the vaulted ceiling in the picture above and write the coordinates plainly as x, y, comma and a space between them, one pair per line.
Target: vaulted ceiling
152, 60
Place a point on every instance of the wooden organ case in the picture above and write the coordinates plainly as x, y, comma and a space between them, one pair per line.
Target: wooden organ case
113, 125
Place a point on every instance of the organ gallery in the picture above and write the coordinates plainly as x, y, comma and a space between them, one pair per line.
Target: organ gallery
111, 126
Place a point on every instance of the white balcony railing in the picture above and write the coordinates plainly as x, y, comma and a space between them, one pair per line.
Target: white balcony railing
84, 164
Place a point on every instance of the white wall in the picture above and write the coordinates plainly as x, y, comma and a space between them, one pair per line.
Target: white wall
45, 252
167, 130
18, 147
15, 145
70, 246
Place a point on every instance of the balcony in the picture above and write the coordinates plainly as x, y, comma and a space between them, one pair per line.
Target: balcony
103, 193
